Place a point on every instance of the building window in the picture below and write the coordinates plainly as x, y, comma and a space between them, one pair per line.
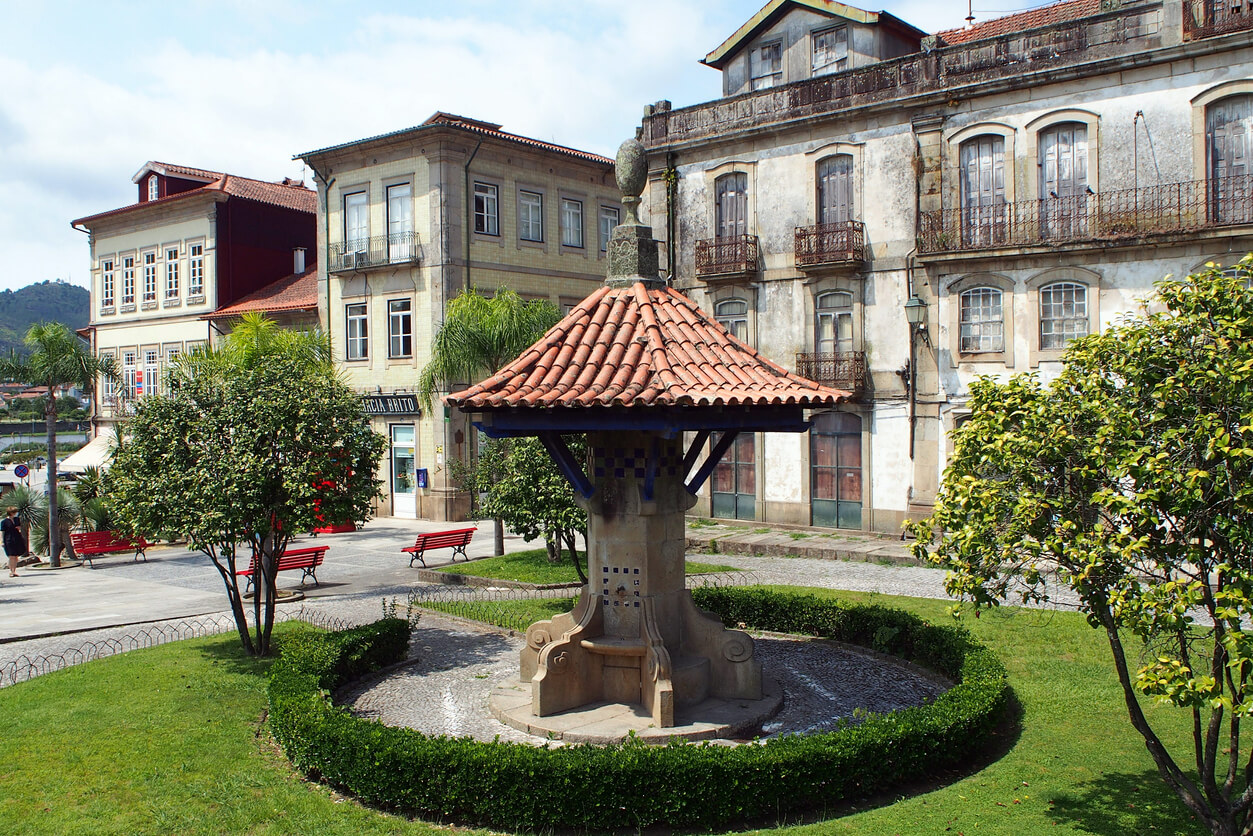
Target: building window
1228, 143
356, 223
171, 355
400, 328
732, 314
153, 187
171, 274
400, 243
1063, 314
766, 65
129, 371
983, 190
733, 488
834, 323
108, 385
150, 277
358, 326
731, 208
830, 50
530, 216
150, 382
835, 189
195, 273
571, 223
982, 323
106, 283
128, 280
609, 218
1064, 190
486, 209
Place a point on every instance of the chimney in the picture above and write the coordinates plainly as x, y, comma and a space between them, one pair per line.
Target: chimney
298, 260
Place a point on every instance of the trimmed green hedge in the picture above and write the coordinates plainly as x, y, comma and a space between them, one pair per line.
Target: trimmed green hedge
518, 786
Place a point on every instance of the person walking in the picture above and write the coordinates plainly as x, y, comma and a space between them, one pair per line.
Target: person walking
14, 542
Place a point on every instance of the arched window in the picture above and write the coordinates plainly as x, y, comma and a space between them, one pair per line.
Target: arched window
833, 331
1228, 143
1063, 314
153, 187
1063, 150
835, 189
983, 190
982, 320
731, 209
732, 314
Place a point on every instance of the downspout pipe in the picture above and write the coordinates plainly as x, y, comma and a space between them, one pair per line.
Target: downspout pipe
326, 236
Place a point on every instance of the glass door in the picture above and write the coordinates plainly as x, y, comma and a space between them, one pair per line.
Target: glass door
404, 487
734, 485
835, 465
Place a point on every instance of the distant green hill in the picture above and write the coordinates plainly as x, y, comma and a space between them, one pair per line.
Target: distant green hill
40, 302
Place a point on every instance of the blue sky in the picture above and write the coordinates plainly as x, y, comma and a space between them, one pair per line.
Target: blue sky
93, 90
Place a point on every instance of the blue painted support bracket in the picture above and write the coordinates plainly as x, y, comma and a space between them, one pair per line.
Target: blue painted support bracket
715, 456
572, 470
694, 451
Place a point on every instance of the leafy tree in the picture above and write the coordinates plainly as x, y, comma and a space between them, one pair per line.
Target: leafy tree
1129, 480
251, 442
57, 358
480, 335
525, 489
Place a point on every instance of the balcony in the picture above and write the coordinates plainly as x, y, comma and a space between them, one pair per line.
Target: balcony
726, 258
830, 245
839, 370
379, 251
1108, 217
1207, 18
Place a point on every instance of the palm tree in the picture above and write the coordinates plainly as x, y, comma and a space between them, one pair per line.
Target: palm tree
479, 335
57, 359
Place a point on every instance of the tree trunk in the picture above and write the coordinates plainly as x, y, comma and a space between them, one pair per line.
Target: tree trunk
574, 557
500, 536
231, 581
54, 529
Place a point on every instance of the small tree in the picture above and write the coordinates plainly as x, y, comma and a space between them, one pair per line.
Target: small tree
1129, 480
525, 489
252, 441
57, 358
478, 337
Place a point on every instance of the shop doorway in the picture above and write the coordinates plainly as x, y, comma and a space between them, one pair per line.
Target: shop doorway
404, 474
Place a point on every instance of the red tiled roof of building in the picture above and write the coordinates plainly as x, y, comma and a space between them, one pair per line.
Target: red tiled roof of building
179, 171
1021, 21
474, 125
297, 292
286, 194
636, 346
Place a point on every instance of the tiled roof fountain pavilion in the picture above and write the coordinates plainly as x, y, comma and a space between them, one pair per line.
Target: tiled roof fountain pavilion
636, 365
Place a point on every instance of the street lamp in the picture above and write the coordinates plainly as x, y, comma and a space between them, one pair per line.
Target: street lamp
916, 316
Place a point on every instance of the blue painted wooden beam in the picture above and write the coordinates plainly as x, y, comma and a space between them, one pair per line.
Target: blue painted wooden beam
694, 451
715, 456
572, 470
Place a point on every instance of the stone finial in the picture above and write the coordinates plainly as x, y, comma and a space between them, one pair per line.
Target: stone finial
631, 171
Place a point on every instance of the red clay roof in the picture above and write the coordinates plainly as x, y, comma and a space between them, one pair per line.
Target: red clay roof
1031, 19
290, 293
475, 126
636, 346
287, 195
177, 171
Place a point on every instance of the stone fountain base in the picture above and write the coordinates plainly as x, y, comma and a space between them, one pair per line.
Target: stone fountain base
604, 723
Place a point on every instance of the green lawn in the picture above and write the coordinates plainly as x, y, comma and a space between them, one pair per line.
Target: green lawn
170, 740
532, 566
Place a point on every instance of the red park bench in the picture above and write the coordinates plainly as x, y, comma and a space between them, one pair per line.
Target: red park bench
89, 544
306, 560
456, 540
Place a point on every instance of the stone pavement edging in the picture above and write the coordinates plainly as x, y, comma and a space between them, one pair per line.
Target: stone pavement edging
802, 542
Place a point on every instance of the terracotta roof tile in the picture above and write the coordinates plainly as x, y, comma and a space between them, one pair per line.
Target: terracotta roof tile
640, 346
183, 171
297, 292
1031, 19
287, 194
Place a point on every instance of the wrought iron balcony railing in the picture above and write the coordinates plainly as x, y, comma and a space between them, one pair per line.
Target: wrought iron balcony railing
735, 256
1107, 216
827, 244
839, 370
381, 250
1207, 18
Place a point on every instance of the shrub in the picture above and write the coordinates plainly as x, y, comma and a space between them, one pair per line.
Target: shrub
518, 786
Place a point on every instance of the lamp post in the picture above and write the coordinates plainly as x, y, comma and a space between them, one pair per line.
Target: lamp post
916, 316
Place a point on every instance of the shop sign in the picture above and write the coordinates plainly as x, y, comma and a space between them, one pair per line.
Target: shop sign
391, 404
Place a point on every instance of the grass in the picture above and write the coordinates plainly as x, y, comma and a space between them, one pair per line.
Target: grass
171, 740
532, 566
